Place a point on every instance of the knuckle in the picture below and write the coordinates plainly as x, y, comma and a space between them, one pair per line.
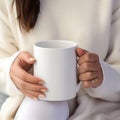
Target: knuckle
88, 56
85, 66
92, 56
22, 85
34, 88
23, 76
90, 75
96, 55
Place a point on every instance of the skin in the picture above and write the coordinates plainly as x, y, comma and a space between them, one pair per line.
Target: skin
89, 70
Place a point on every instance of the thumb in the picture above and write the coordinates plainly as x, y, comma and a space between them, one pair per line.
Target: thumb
27, 57
80, 52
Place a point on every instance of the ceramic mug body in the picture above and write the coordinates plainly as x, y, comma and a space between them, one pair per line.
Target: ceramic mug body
56, 65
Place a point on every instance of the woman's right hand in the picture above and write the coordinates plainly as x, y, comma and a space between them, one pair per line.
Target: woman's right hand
28, 84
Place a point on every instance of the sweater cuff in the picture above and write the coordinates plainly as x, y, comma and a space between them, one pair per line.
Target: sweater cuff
11, 88
109, 89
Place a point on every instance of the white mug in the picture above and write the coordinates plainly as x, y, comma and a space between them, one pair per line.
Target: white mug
56, 65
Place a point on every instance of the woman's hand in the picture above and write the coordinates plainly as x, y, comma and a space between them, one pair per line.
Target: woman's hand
28, 84
89, 69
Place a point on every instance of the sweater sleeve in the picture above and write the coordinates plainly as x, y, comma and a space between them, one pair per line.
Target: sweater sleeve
8, 49
109, 90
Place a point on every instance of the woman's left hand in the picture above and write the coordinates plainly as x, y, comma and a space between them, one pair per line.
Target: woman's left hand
89, 69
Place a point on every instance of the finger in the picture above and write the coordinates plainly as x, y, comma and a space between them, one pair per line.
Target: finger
23, 75
88, 67
34, 87
88, 76
91, 84
23, 86
34, 95
27, 57
88, 57
80, 52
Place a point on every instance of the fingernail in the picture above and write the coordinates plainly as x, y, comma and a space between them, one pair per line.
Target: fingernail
32, 59
43, 90
41, 82
41, 96
35, 98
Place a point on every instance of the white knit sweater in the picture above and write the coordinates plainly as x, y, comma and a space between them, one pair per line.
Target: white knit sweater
93, 24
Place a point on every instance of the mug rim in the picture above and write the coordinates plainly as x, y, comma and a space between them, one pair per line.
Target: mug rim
56, 44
